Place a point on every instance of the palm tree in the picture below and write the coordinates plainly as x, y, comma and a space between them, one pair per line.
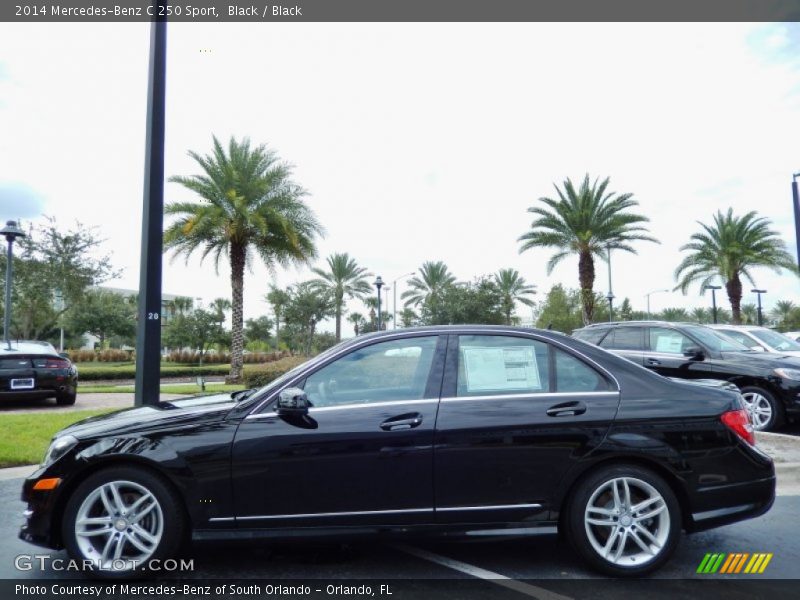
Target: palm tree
249, 206
730, 249
433, 277
514, 289
344, 278
358, 321
702, 315
674, 314
783, 311
587, 221
749, 314
278, 299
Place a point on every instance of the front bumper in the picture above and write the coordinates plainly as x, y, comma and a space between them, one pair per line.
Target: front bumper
39, 515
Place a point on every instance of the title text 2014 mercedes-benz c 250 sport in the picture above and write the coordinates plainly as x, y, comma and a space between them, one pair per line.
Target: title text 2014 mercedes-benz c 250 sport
412, 432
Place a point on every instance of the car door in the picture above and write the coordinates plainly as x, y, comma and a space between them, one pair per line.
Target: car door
626, 341
665, 354
516, 413
362, 455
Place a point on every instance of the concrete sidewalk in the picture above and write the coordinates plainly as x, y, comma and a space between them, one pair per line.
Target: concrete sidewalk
82, 402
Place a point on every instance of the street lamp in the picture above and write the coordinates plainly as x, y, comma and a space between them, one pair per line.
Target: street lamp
647, 295
713, 289
610, 295
760, 318
379, 284
12, 232
394, 300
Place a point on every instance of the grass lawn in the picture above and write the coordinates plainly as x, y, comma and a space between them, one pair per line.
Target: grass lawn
188, 388
27, 435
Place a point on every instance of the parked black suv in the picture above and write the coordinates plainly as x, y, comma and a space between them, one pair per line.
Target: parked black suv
770, 383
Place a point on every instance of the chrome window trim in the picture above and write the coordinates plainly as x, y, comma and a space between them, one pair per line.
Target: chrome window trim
316, 409
530, 396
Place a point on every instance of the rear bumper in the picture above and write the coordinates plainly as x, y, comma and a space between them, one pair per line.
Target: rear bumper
732, 503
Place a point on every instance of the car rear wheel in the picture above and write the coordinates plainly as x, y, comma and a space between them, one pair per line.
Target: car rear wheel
624, 520
65, 399
765, 412
120, 519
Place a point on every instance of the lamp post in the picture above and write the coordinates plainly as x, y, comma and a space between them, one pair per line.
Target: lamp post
394, 299
713, 289
610, 295
796, 204
12, 232
379, 284
760, 318
647, 296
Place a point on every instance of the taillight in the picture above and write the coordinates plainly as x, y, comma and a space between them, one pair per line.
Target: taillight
56, 363
738, 421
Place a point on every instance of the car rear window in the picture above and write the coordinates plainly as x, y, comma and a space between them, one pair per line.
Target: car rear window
593, 336
15, 363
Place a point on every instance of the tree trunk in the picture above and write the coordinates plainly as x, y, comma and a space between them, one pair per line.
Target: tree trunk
734, 288
237, 256
277, 331
339, 303
586, 278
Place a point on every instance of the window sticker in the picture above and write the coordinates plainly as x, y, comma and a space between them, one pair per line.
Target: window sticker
669, 343
494, 369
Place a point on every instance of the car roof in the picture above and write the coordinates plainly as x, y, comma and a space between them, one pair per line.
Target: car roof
739, 327
652, 322
26, 347
456, 329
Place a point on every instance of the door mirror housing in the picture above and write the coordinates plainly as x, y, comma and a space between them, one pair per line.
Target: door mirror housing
694, 353
292, 401
759, 348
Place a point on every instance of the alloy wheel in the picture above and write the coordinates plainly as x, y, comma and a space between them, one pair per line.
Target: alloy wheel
627, 521
119, 525
759, 409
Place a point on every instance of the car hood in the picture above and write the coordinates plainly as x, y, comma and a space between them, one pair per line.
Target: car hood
765, 359
183, 413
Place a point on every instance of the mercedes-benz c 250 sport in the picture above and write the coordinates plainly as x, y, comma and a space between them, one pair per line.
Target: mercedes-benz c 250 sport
441, 430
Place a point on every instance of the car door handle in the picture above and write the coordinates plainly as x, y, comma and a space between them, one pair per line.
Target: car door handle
652, 361
567, 409
401, 422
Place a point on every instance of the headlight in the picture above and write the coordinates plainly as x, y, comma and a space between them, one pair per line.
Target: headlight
793, 374
58, 448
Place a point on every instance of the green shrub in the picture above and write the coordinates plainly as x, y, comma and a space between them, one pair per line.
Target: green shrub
95, 373
261, 375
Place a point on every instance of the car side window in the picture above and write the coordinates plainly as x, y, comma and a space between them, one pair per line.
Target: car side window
669, 341
490, 365
574, 375
382, 372
740, 337
592, 336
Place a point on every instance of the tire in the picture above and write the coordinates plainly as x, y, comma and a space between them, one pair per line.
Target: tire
766, 413
594, 499
157, 533
65, 399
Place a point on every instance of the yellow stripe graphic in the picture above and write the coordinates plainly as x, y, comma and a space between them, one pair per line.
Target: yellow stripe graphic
758, 562
766, 562
752, 562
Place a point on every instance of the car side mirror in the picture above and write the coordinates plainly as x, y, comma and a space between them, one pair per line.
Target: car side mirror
292, 401
759, 348
694, 353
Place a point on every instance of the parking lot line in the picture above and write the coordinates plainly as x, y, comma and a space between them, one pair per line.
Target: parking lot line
519, 586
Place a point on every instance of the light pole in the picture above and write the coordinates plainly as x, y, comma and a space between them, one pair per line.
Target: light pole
796, 204
713, 289
610, 295
760, 318
394, 299
647, 295
12, 232
59, 302
379, 284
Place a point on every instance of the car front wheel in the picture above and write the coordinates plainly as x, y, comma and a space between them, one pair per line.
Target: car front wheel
624, 520
120, 519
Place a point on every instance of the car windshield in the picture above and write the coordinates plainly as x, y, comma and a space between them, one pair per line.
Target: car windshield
775, 340
716, 340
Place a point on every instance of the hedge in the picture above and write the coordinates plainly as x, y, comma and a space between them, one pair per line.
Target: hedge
95, 373
261, 375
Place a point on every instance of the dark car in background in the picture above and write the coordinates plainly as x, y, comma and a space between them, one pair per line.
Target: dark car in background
447, 430
35, 370
769, 383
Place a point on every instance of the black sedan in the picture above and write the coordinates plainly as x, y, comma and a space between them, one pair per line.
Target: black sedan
443, 430
34, 370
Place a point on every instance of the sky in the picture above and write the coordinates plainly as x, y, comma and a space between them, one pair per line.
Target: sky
415, 141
